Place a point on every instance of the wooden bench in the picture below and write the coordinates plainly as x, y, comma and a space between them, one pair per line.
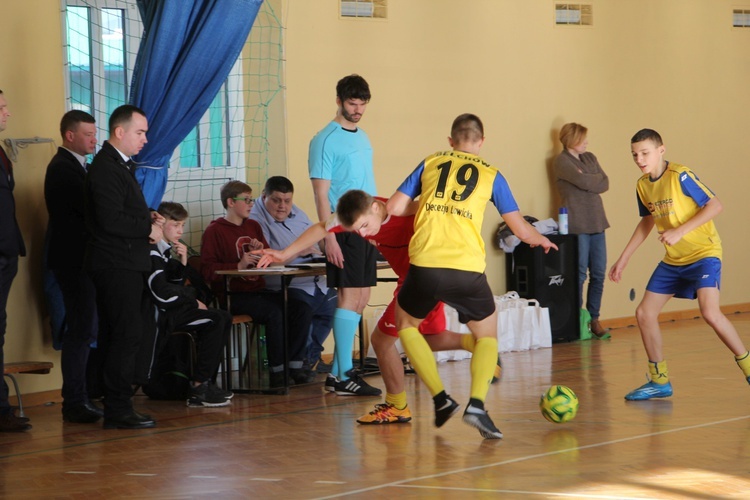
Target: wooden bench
13, 369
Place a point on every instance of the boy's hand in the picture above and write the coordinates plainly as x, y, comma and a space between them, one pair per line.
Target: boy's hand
546, 244
252, 245
157, 218
670, 236
181, 251
201, 305
333, 251
156, 234
615, 272
248, 261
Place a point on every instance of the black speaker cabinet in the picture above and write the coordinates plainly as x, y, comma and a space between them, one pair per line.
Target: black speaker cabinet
552, 279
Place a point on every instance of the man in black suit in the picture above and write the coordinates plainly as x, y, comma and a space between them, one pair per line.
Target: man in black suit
121, 228
63, 192
11, 246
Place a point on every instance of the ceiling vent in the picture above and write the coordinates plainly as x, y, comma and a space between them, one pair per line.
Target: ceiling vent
367, 9
574, 14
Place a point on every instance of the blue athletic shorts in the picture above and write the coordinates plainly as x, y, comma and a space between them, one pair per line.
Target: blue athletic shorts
684, 281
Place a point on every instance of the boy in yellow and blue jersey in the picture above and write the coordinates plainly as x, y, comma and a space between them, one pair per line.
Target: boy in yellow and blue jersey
682, 208
448, 260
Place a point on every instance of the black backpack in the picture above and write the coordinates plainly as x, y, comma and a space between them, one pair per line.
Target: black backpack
170, 375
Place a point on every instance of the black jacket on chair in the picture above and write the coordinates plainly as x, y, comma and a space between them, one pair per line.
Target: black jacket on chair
117, 216
64, 193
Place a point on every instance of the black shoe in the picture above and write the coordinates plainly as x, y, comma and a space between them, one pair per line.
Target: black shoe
480, 420
26, 419
144, 416
84, 413
12, 423
446, 411
302, 376
218, 391
132, 420
355, 386
277, 379
323, 367
203, 395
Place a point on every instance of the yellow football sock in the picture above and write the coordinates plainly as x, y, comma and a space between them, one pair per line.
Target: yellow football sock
658, 371
397, 400
421, 358
468, 343
483, 364
744, 363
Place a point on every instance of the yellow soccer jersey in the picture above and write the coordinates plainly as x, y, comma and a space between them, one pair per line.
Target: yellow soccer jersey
453, 189
673, 199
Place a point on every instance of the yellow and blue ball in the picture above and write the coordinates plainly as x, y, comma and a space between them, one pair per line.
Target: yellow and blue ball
559, 404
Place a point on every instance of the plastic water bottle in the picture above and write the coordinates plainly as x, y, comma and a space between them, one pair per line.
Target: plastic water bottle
562, 220
263, 350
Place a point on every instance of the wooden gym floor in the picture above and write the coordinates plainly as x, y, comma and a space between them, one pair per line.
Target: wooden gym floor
695, 445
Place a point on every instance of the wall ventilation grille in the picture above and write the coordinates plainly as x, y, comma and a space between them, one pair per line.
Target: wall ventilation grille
576, 14
741, 18
368, 9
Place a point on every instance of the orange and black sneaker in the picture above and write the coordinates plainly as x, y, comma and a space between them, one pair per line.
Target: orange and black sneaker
385, 413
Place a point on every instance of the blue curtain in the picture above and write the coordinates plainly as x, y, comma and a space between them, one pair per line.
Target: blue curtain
187, 51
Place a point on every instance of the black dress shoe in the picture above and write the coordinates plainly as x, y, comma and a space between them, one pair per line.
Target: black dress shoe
145, 416
132, 420
12, 423
84, 413
22, 419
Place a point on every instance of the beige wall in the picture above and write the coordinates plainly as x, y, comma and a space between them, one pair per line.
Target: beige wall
32, 80
673, 65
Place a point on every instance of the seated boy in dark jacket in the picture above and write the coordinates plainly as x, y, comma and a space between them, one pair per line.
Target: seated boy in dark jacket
180, 309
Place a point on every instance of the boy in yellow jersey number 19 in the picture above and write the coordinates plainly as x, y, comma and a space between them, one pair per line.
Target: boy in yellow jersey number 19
672, 198
448, 261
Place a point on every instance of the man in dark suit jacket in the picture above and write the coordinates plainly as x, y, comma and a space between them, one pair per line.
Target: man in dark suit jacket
121, 228
11, 246
63, 192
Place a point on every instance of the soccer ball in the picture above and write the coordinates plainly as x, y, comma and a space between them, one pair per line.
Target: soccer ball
559, 404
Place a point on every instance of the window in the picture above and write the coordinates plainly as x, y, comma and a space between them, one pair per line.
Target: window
102, 40
99, 58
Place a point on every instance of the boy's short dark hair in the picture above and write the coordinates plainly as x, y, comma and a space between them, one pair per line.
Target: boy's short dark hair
72, 118
123, 115
233, 189
172, 211
467, 128
353, 87
352, 205
647, 134
278, 183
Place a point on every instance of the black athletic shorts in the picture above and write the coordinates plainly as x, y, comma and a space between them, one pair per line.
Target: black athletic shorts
360, 266
467, 292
